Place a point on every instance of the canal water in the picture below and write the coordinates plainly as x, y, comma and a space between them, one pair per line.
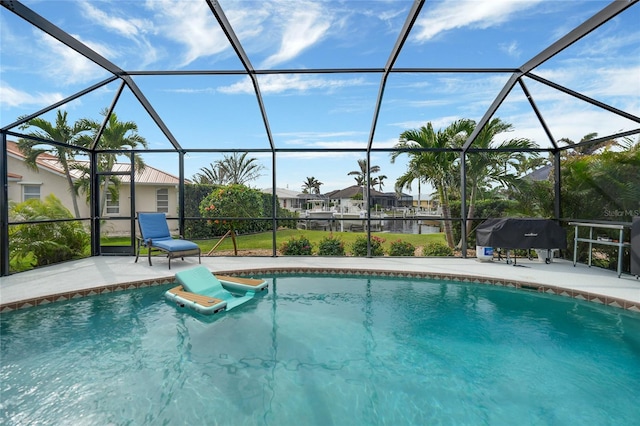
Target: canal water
409, 226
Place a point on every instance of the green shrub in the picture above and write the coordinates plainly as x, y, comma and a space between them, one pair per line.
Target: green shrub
359, 246
39, 244
197, 229
437, 249
331, 246
260, 218
402, 248
300, 246
232, 201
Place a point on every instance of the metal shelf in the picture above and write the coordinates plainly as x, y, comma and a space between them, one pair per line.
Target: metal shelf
620, 243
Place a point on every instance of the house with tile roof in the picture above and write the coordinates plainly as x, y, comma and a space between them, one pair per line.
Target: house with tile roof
155, 190
351, 199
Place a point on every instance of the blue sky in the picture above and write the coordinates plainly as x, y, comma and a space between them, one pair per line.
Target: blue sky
326, 111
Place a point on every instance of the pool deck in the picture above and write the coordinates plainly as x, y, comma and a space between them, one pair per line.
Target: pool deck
112, 273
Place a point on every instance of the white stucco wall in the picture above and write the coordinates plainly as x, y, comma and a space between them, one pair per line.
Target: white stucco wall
51, 182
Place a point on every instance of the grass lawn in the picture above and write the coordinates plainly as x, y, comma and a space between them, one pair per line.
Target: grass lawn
264, 240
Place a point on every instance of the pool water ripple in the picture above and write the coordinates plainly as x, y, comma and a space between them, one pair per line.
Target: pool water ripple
325, 351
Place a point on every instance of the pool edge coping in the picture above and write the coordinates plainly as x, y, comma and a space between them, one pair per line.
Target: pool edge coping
476, 279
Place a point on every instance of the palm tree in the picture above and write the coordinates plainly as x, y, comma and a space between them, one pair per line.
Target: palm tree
47, 242
238, 169
589, 148
116, 135
212, 175
311, 186
379, 181
361, 175
430, 163
60, 132
492, 165
530, 163
599, 184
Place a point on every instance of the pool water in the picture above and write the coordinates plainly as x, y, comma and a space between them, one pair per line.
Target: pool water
324, 351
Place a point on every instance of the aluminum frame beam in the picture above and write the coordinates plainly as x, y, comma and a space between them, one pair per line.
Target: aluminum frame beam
60, 103
38, 21
584, 98
217, 11
395, 52
541, 120
151, 111
492, 109
607, 13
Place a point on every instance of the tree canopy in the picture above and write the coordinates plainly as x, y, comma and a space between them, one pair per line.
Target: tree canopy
233, 169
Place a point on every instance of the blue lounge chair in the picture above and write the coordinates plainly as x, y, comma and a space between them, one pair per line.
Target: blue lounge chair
155, 235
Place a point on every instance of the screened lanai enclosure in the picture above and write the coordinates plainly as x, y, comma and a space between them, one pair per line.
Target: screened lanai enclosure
374, 116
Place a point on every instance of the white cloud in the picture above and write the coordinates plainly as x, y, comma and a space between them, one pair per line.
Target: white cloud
608, 46
134, 29
129, 28
428, 103
303, 27
14, 98
319, 135
567, 121
313, 155
326, 140
67, 66
511, 49
448, 15
385, 143
615, 81
207, 90
603, 83
438, 123
191, 24
279, 83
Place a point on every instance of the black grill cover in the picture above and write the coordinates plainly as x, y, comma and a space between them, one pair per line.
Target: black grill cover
517, 233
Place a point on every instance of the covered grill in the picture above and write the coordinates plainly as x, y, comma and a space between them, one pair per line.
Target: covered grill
521, 233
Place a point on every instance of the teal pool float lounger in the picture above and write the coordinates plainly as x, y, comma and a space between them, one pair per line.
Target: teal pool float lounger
205, 293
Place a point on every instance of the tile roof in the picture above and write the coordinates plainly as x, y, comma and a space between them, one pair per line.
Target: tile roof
352, 191
150, 175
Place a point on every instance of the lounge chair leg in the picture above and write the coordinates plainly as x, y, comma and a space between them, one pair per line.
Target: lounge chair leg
137, 252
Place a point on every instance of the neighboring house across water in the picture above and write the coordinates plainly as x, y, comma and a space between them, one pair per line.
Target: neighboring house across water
351, 199
155, 190
346, 200
287, 198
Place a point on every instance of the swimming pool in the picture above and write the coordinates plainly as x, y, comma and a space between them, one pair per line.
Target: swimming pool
325, 351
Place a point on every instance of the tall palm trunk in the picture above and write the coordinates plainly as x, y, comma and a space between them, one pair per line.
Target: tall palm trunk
472, 208
103, 196
446, 214
74, 197
105, 186
448, 229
